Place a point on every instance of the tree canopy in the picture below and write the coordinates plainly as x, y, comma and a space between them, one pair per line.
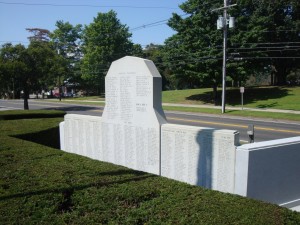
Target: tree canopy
28, 69
265, 38
66, 39
104, 40
38, 34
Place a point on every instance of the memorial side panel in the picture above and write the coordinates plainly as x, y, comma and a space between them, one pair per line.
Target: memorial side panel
199, 156
224, 161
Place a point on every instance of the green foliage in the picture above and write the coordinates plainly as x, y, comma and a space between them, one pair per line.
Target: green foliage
13, 68
269, 30
193, 53
104, 41
30, 69
43, 185
155, 53
66, 39
265, 36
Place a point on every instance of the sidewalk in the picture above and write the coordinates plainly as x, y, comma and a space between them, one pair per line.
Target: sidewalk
203, 106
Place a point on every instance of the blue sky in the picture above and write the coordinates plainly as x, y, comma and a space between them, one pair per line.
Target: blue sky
17, 15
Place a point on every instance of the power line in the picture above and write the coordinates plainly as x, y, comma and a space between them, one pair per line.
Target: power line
251, 48
202, 59
84, 5
157, 23
271, 31
267, 43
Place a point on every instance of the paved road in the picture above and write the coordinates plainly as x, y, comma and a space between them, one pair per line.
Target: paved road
265, 129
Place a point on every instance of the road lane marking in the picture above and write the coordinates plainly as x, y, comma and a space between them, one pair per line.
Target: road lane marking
96, 110
235, 125
277, 130
207, 122
33, 103
8, 108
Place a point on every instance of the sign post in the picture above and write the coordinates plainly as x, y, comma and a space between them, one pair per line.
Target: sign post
250, 133
242, 90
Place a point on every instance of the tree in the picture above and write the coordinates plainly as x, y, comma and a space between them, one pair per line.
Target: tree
41, 60
193, 54
12, 68
67, 41
104, 40
265, 36
269, 29
29, 69
38, 34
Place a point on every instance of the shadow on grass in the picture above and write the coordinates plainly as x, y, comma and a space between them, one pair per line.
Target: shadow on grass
20, 114
263, 106
251, 95
121, 172
49, 137
74, 108
70, 190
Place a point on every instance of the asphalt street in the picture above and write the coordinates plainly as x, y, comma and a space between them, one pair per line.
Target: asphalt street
265, 129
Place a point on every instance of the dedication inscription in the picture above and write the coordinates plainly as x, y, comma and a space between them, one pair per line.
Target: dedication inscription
133, 115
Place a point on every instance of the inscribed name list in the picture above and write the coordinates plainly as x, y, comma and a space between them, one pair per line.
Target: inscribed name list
132, 115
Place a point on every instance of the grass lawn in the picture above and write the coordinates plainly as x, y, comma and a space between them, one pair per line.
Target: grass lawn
40, 184
256, 97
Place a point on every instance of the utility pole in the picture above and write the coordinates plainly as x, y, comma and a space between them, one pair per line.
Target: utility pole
222, 24
59, 84
224, 56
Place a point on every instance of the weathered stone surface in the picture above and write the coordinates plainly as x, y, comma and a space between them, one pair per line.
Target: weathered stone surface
132, 115
199, 156
82, 135
270, 171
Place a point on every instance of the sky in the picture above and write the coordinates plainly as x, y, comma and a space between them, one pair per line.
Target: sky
141, 16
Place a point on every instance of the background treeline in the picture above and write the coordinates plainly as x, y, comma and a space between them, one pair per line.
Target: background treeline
264, 43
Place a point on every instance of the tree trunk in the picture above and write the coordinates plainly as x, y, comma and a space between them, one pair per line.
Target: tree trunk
215, 93
272, 78
26, 95
280, 78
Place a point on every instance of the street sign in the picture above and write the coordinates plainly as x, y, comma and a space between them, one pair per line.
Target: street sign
242, 89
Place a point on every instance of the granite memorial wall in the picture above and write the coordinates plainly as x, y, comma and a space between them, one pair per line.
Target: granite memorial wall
133, 132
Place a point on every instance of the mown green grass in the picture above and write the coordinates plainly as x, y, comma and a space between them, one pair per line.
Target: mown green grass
255, 97
40, 184
241, 113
